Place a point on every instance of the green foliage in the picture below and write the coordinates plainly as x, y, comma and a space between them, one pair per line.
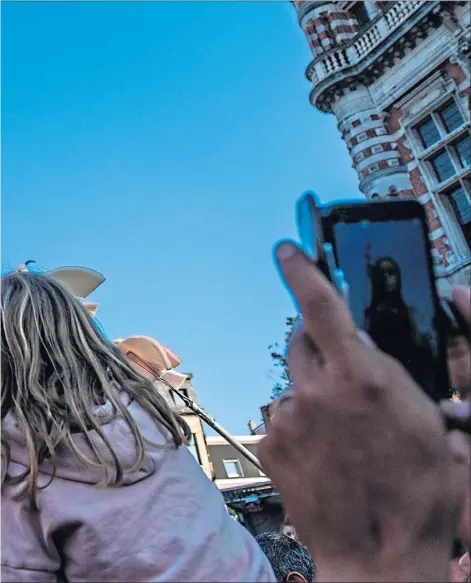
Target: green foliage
279, 360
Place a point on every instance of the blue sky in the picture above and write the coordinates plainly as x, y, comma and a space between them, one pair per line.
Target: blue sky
164, 144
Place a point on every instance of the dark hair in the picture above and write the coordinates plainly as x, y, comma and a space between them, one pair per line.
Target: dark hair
378, 282
286, 556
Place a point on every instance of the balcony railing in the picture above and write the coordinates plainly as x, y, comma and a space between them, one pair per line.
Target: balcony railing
367, 40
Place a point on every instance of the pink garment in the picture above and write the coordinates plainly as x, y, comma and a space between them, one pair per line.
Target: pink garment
166, 523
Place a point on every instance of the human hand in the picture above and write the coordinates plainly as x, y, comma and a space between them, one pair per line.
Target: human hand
357, 450
460, 569
459, 353
459, 446
466, 567
460, 412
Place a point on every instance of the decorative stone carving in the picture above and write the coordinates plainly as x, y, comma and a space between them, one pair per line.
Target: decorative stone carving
464, 47
450, 20
462, 55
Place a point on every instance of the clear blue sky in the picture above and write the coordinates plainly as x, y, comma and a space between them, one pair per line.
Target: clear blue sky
164, 144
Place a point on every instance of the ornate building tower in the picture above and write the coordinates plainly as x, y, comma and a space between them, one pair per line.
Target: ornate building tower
397, 77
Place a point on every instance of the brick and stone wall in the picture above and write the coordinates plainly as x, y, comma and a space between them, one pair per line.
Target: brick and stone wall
375, 114
327, 26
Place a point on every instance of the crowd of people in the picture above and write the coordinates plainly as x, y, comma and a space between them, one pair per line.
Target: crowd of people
96, 485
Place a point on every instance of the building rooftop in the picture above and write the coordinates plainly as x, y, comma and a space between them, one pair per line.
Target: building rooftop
218, 440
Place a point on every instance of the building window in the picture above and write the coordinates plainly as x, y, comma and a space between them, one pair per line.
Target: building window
437, 126
193, 447
428, 133
233, 469
459, 199
442, 166
445, 140
361, 14
463, 150
451, 116
445, 132
452, 159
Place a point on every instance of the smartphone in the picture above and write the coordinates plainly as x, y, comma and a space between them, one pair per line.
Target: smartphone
310, 229
384, 252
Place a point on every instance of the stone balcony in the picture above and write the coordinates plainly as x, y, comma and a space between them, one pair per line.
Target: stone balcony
377, 45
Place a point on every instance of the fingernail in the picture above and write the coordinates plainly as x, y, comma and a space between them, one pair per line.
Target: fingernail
285, 251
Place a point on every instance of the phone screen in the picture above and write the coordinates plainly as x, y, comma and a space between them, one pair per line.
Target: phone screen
392, 294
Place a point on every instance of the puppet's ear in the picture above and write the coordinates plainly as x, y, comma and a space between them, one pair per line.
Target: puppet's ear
80, 281
174, 378
92, 308
145, 352
145, 348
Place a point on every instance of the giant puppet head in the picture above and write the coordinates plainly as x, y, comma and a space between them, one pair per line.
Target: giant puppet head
80, 281
146, 355
152, 359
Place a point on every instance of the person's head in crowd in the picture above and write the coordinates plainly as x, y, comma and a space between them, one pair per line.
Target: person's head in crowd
289, 530
59, 373
290, 561
386, 280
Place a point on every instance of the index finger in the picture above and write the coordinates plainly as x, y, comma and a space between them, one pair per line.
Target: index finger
326, 317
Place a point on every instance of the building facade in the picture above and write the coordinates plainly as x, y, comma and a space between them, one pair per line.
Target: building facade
397, 77
231, 469
198, 446
247, 492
